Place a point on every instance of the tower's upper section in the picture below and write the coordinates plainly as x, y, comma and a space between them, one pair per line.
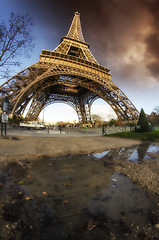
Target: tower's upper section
75, 31
73, 49
73, 44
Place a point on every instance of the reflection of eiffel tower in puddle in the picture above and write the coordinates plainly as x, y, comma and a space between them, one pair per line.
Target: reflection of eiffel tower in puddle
68, 74
142, 150
134, 153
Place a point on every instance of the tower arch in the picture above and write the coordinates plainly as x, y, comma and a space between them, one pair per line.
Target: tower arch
58, 112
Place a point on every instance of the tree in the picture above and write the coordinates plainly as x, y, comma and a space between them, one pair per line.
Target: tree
156, 109
117, 123
15, 39
112, 122
143, 124
97, 120
154, 116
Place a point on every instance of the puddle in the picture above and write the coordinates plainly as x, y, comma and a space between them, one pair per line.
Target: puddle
73, 197
121, 200
100, 155
135, 153
153, 149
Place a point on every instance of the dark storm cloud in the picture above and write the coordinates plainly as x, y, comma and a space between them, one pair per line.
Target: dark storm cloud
153, 49
123, 34
152, 40
154, 68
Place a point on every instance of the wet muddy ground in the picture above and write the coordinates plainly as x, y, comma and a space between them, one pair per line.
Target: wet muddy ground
108, 195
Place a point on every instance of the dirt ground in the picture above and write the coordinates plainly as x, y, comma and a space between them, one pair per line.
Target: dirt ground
12, 148
16, 152
31, 148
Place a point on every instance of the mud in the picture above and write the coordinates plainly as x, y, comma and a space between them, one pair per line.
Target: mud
112, 194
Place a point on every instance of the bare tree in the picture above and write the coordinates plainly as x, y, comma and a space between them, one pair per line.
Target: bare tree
156, 109
154, 116
97, 120
15, 39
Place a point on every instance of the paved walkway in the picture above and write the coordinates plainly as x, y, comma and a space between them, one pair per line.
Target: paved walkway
75, 132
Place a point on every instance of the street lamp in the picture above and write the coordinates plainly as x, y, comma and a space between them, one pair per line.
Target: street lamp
43, 115
4, 115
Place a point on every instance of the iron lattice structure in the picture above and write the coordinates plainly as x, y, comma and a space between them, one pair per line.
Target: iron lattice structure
68, 74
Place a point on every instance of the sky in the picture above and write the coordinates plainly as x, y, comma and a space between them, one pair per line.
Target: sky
123, 36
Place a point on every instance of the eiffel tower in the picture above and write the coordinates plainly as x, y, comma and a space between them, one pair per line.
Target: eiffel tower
68, 74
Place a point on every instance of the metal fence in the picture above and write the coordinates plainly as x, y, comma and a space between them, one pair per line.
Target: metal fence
75, 131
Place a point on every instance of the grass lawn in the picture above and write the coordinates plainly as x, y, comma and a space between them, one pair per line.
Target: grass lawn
147, 136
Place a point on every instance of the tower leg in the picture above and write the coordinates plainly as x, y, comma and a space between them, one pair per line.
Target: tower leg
35, 108
83, 111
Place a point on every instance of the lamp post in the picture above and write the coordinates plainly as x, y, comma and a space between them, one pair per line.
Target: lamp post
43, 115
125, 126
4, 115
